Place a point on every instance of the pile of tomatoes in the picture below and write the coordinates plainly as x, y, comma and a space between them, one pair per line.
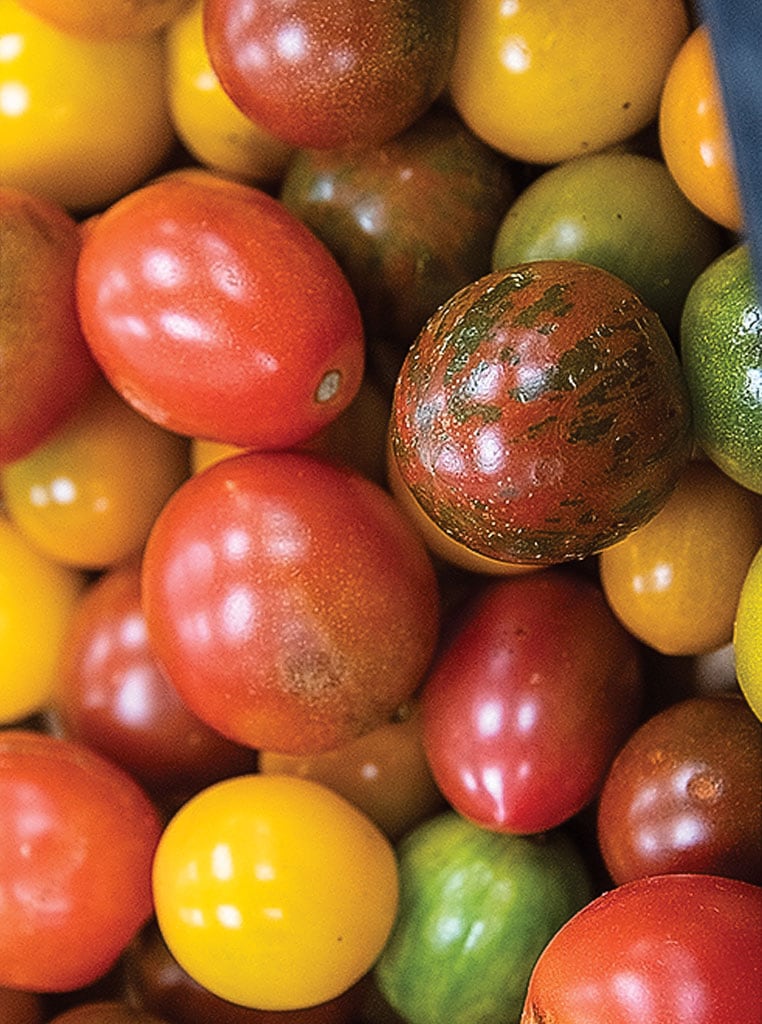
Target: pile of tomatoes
380, 517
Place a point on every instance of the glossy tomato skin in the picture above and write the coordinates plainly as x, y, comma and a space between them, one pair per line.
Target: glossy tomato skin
113, 697
45, 365
77, 838
683, 794
668, 948
541, 414
527, 705
289, 601
336, 74
217, 314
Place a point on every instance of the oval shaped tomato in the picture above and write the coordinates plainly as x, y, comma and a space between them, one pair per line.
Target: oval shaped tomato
669, 948
77, 838
332, 75
289, 601
541, 414
527, 705
217, 314
274, 892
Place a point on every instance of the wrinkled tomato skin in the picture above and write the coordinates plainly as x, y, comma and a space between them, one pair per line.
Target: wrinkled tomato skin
216, 313
289, 601
668, 948
330, 74
528, 704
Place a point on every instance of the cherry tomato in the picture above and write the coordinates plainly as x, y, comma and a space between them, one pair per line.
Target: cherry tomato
85, 135
385, 773
543, 82
289, 601
747, 630
683, 794
693, 134
332, 75
105, 1012
20, 1007
217, 314
77, 837
112, 695
526, 706
88, 496
669, 948
38, 599
107, 19
211, 126
45, 365
662, 581
274, 892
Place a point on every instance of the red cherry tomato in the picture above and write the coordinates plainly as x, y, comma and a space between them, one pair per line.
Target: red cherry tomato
113, 696
77, 837
217, 314
289, 601
670, 949
526, 708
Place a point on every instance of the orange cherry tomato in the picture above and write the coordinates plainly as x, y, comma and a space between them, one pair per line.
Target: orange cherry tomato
675, 582
543, 82
693, 133
88, 496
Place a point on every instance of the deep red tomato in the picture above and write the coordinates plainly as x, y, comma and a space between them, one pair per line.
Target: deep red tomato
113, 696
216, 313
526, 708
325, 74
289, 601
671, 949
45, 365
77, 837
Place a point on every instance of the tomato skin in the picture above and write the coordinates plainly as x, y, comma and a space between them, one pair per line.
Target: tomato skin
539, 675
746, 632
668, 948
18, 1007
77, 838
328, 74
289, 601
105, 1012
217, 314
541, 414
45, 365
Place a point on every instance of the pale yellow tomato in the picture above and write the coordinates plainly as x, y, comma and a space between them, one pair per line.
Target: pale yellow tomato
210, 125
543, 82
81, 121
107, 19
273, 891
37, 601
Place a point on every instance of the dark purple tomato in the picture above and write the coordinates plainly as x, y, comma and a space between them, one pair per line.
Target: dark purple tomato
526, 707
684, 794
327, 74
541, 415
410, 222
114, 697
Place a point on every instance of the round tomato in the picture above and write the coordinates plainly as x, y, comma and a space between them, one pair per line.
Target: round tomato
289, 601
547, 81
747, 631
332, 75
541, 414
527, 705
45, 365
105, 1012
107, 19
217, 314
17, 1007
274, 892
669, 948
77, 838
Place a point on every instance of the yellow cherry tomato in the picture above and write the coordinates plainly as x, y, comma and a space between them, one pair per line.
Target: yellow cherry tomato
89, 496
274, 892
747, 636
81, 121
543, 82
37, 601
385, 773
693, 134
107, 19
675, 582
211, 126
